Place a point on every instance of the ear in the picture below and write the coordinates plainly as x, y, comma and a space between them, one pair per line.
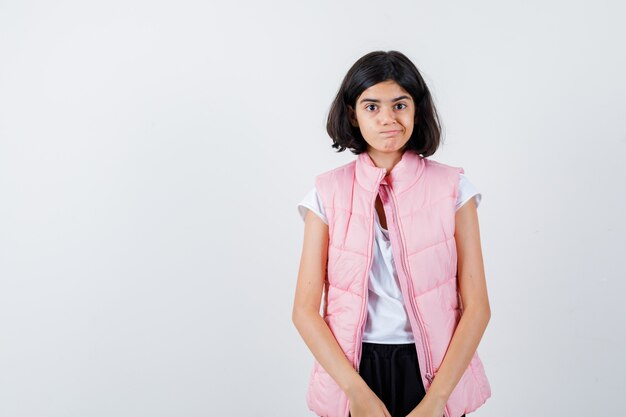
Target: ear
352, 116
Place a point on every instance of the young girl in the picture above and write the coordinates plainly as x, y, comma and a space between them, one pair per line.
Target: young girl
391, 242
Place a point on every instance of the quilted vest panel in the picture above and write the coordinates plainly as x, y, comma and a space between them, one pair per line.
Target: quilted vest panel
419, 198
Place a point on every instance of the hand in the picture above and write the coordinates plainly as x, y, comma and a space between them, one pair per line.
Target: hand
365, 403
428, 407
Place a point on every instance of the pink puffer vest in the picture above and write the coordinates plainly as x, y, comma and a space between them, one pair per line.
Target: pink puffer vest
419, 198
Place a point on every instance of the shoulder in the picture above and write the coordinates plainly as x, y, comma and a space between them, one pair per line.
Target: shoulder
467, 190
341, 170
332, 188
444, 175
312, 202
440, 167
328, 180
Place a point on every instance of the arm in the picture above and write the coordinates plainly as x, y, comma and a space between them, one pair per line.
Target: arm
315, 331
476, 310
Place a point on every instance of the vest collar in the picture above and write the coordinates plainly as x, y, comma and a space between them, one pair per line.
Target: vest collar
403, 175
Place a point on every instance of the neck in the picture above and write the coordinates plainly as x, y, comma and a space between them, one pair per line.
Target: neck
385, 160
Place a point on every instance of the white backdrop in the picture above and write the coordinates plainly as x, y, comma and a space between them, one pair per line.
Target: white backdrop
152, 155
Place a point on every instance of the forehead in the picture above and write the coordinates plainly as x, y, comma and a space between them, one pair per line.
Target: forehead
385, 90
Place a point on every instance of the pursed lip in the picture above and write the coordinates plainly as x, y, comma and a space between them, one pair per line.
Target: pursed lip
391, 131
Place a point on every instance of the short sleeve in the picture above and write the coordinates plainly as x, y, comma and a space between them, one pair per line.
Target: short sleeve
312, 202
467, 190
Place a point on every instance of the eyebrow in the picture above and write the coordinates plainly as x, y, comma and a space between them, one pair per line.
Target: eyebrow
373, 100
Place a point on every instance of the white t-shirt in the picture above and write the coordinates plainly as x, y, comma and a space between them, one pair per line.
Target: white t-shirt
387, 320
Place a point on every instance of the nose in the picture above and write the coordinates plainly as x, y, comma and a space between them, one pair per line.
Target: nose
387, 116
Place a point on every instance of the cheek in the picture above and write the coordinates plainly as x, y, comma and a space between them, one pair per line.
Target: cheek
365, 124
367, 131
409, 122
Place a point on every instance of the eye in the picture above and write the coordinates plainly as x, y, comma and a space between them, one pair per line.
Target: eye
368, 107
401, 104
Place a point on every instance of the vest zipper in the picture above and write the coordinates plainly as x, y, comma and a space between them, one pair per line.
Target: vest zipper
362, 321
401, 262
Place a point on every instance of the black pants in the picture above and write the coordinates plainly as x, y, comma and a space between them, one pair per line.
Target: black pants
393, 373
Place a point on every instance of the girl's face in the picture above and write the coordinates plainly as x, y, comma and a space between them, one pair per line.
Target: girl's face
385, 114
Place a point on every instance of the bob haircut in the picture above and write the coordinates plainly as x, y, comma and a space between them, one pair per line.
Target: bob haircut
371, 69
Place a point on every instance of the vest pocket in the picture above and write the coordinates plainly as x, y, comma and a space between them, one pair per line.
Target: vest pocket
461, 400
480, 376
470, 393
324, 397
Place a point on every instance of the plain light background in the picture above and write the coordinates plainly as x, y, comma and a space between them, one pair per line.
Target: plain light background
152, 155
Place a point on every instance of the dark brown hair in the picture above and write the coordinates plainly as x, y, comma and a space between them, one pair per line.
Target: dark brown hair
371, 69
